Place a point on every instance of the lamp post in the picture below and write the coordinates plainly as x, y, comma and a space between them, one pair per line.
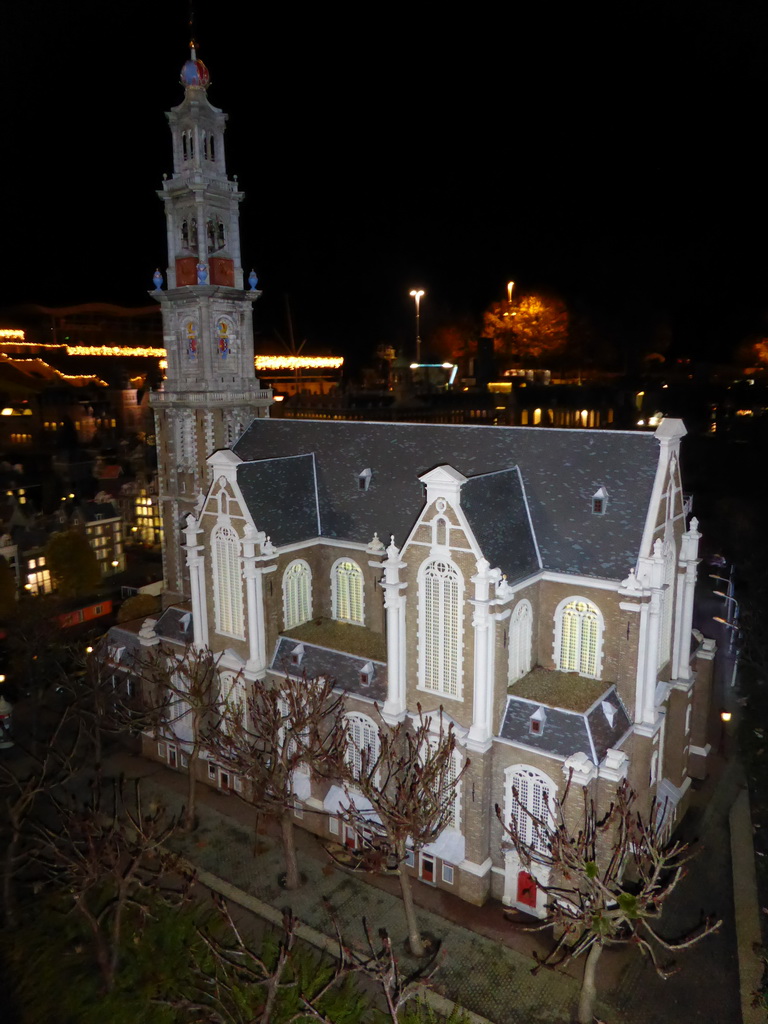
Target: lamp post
416, 295
510, 286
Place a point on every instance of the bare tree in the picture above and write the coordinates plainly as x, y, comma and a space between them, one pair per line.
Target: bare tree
297, 727
610, 878
241, 985
410, 787
112, 861
183, 695
22, 783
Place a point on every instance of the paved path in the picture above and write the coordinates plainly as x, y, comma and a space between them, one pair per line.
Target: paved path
485, 965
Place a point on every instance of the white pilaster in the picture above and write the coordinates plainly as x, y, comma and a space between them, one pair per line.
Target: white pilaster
689, 558
394, 606
480, 733
195, 561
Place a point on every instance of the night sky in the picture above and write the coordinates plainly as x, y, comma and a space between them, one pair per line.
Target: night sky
612, 155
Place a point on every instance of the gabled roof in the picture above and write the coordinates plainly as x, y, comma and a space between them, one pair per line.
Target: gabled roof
560, 470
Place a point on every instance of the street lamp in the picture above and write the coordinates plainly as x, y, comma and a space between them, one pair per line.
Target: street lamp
510, 286
416, 295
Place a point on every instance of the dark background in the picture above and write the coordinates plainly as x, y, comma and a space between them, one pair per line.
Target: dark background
611, 155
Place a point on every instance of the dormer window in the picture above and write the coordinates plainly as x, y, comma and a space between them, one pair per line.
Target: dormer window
609, 711
366, 674
599, 502
364, 480
297, 654
536, 722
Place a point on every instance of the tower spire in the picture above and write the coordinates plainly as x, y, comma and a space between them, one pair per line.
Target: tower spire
211, 393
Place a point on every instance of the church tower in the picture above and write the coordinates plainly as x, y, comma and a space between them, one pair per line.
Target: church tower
210, 393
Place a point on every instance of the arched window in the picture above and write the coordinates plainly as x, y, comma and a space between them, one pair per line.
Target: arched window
234, 696
520, 633
297, 594
362, 739
579, 637
440, 627
440, 532
348, 592
527, 803
228, 592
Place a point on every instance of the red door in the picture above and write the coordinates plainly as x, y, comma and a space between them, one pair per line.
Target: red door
427, 868
350, 837
526, 889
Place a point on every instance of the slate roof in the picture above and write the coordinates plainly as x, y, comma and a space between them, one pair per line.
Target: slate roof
344, 669
175, 624
280, 494
497, 511
560, 470
567, 732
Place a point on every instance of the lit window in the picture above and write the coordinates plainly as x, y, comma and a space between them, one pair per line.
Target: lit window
440, 628
348, 592
228, 594
579, 626
297, 599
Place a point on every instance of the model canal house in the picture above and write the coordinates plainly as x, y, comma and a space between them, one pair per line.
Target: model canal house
537, 585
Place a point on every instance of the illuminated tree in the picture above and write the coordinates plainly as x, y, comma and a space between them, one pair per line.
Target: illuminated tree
590, 904
530, 329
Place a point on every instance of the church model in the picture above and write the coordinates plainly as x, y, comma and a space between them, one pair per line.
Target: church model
537, 584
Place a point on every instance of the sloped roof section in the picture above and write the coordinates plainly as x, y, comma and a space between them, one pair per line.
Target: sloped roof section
343, 669
498, 514
281, 497
560, 471
567, 732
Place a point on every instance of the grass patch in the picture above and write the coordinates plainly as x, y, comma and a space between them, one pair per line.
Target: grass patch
556, 689
341, 636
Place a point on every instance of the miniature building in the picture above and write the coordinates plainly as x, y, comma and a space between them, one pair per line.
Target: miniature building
537, 585
556, 636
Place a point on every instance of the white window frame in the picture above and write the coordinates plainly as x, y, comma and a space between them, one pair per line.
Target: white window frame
580, 661
368, 738
297, 593
447, 873
520, 641
536, 792
228, 581
348, 592
410, 859
441, 613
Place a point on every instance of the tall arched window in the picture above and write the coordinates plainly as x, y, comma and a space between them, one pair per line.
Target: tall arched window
520, 633
297, 594
347, 589
228, 589
527, 801
579, 637
362, 739
440, 628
